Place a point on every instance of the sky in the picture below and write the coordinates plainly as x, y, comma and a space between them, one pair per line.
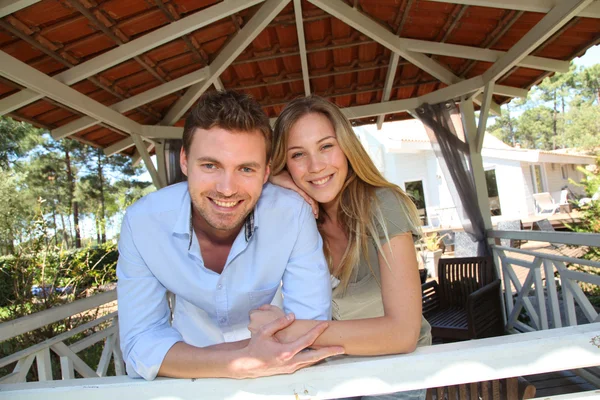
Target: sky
591, 57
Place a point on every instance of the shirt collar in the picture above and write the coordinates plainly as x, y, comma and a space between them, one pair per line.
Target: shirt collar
183, 225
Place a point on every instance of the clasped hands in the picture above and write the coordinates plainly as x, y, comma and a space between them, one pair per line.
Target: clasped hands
270, 351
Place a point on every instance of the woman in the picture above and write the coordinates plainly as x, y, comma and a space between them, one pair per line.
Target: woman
367, 224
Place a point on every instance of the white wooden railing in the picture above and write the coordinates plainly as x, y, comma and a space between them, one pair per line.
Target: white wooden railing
69, 360
559, 286
434, 366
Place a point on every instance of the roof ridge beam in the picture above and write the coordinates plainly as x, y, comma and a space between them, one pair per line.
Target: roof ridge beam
230, 52
540, 6
134, 102
133, 48
552, 22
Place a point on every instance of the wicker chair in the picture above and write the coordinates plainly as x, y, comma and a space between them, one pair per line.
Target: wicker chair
466, 303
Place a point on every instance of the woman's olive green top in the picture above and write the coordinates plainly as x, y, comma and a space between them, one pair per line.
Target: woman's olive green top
362, 298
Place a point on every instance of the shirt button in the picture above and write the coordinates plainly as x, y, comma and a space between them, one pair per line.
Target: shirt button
223, 320
219, 286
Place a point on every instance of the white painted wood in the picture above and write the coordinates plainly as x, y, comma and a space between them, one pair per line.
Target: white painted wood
10, 6
581, 276
162, 132
134, 101
106, 355
569, 306
66, 368
508, 293
117, 355
92, 339
119, 146
20, 355
78, 364
30, 77
137, 158
572, 238
585, 305
550, 256
523, 327
143, 151
453, 363
484, 112
552, 22
540, 6
32, 322
522, 300
44, 366
541, 298
218, 84
19, 373
519, 262
302, 46
552, 293
389, 83
369, 27
242, 39
133, 48
590, 377
467, 112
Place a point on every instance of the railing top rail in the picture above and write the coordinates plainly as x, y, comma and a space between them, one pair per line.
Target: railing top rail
441, 365
548, 256
31, 322
572, 238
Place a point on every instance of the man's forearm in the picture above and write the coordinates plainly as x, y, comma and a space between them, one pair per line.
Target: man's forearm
186, 361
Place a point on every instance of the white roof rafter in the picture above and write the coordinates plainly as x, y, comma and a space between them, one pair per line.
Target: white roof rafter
302, 45
389, 82
131, 49
242, 39
367, 26
540, 6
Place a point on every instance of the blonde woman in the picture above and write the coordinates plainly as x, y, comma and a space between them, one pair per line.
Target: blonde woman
368, 225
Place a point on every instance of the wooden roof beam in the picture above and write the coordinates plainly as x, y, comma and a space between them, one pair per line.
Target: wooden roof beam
540, 6
133, 48
10, 6
302, 46
242, 39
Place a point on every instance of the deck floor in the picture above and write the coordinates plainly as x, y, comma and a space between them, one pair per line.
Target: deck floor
558, 383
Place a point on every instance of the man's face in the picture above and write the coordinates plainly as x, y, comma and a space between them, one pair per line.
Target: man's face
226, 171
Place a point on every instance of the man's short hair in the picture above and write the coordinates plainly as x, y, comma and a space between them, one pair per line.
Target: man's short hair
229, 110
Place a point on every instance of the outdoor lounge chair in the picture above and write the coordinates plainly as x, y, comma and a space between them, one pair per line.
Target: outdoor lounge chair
545, 203
466, 303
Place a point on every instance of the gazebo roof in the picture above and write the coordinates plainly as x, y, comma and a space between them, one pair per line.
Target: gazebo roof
139, 63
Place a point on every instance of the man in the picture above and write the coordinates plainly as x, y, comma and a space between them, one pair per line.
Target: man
221, 244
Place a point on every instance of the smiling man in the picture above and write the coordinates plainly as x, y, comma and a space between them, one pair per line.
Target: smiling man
221, 244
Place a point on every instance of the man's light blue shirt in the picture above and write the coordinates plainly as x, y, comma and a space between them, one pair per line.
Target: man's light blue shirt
158, 252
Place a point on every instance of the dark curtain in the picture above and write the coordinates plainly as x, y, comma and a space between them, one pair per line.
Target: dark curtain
444, 128
172, 149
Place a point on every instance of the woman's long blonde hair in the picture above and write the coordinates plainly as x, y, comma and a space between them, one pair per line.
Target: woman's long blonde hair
359, 212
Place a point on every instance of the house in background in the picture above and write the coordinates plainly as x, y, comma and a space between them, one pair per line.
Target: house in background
402, 152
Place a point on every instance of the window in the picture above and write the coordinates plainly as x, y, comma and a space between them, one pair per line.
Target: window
415, 190
492, 188
536, 178
565, 171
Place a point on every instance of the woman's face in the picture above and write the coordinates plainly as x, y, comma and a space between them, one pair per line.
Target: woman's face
314, 158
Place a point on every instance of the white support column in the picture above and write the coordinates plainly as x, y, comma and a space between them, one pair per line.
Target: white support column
133, 48
552, 22
302, 45
468, 119
230, 52
389, 83
143, 151
483, 115
10, 6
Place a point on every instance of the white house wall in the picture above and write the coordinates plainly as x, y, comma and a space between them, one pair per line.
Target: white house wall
512, 188
556, 182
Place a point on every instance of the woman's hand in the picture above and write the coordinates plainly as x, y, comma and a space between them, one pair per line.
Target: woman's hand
264, 315
284, 180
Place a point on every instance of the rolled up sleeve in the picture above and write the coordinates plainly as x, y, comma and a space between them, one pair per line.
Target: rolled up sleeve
306, 283
144, 327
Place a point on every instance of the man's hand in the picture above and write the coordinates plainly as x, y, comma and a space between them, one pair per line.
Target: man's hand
265, 356
264, 315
